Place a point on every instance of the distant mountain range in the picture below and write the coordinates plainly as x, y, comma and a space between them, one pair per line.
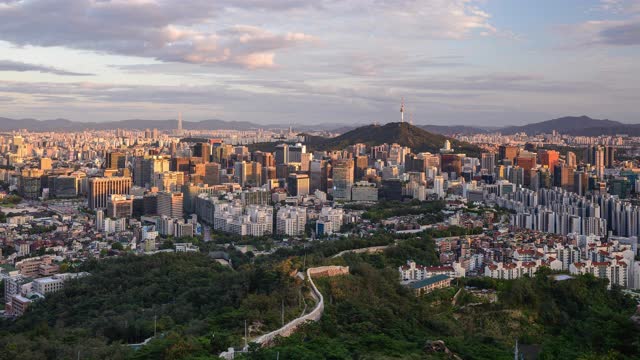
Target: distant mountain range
571, 125
7, 124
576, 125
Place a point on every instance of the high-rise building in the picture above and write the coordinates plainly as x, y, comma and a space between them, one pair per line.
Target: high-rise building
282, 154
343, 171
120, 206
295, 153
101, 189
202, 150
170, 204
65, 186
361, 165
145, 168
438, 186
298, 184
488, 162
548, 158
599, 161
451, 163
212, 173
319, 173
609, 156
116, 160
508, 152
168, 180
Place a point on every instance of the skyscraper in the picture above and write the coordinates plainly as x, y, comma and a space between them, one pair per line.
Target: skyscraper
488, 162
101, 189
116, 160
212, 173
170, 204
298, 184
342, 179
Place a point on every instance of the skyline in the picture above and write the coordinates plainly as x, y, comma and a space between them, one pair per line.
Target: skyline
463, 62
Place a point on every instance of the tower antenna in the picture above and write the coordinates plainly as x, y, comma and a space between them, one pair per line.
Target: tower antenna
402, 111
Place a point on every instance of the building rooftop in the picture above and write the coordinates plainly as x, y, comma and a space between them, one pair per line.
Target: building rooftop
427, 281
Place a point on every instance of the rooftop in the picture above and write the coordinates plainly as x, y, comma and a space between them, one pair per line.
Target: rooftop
428, 281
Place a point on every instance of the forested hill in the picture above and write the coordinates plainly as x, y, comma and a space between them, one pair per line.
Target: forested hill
201, 306
419, 140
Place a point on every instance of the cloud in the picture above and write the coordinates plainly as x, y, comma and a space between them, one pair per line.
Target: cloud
174, 31
8, 65
604, 33
623, 31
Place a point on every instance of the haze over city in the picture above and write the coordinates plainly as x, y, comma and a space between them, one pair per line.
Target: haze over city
486, 62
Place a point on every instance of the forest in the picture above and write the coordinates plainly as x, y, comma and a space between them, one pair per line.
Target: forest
197, 308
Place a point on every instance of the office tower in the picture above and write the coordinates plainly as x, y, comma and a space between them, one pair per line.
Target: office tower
295, 153
548, 158
411, 163
516, 175
31, 186
65, 186
212, 173
362, 163
116, 160
609, 156
180, 123
298, 184
248, 173
527, 161
145, 168
282, 154
268, 173
451, 163
170, 204
202, 150
508, 152
343, 171
438, 186
120, 206
45, 163
154, 134
599, 161
221, 153
101, 189
264, 158
168, 180
488, 162
580, 182
571, 160
99, 219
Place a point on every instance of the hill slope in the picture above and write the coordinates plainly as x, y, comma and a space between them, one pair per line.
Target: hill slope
401, 133
575, 125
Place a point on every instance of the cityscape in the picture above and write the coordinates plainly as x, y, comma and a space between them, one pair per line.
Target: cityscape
301, 214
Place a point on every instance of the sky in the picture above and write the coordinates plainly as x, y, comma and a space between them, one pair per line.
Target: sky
454, 62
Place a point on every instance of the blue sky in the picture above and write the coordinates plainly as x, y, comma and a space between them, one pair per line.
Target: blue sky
471, 62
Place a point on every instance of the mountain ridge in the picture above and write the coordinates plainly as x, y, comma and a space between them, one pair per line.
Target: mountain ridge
569, 125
